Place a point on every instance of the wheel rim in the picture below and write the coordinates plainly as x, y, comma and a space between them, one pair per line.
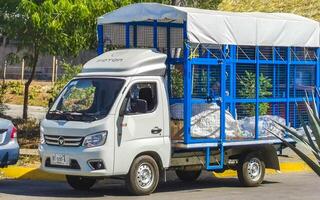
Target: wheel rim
145, 175
254, 169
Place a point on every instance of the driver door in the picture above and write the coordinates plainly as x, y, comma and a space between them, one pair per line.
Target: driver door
138, 130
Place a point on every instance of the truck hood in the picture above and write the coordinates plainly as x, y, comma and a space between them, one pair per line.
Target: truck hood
73, 128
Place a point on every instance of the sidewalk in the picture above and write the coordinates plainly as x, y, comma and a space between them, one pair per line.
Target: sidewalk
15, 111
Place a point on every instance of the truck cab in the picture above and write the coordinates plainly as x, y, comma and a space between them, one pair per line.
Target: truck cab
115, 110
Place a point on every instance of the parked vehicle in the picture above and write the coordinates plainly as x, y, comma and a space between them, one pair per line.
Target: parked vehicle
9, 147
136, 113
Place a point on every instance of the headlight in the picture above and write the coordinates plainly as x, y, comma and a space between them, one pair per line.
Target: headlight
41, 135
95, 140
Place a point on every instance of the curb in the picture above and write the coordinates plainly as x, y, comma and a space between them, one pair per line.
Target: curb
285, 167
15, 172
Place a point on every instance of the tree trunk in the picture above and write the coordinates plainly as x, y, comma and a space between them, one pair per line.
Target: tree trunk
28, 83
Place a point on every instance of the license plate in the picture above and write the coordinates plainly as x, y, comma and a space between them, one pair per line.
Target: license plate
60, 159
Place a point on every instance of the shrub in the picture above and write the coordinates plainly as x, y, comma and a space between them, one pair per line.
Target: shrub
34, 91
3, 90
28, 132
248, 90
311, 137
15, 87
176, 83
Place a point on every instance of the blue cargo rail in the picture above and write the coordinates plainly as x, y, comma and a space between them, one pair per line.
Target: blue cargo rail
291, 71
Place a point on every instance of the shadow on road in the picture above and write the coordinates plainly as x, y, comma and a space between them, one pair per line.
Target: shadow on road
110, 187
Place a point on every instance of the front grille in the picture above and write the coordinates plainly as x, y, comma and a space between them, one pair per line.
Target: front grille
66, 141
73, 164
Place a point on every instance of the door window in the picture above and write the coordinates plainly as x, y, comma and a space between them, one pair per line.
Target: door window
142, 98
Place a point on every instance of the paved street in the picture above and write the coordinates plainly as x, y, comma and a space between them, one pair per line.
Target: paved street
15, 111
279, 186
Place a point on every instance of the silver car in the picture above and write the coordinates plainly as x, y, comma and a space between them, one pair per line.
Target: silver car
9, 147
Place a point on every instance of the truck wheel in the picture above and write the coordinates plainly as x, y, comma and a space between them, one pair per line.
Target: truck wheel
143, 177
251, 170
188, 175
80, 182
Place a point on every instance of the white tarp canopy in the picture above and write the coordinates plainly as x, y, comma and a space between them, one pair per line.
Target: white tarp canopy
220, 27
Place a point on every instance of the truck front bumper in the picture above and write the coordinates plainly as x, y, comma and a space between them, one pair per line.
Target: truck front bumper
81, 160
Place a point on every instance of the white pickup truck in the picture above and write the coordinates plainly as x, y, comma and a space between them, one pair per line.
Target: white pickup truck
113, 120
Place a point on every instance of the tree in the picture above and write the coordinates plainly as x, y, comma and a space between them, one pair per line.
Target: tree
307, 8
204, 4
7, 14
247, 83
55, 27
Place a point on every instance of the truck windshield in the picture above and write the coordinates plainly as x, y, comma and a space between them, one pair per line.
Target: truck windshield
86, 99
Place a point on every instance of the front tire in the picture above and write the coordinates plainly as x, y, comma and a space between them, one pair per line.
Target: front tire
251, 170
143, 177
188, 176
80, 182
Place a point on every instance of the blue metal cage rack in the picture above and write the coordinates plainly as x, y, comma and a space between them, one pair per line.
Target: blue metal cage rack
290, 70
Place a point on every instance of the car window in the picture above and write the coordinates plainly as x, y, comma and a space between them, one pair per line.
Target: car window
143, 91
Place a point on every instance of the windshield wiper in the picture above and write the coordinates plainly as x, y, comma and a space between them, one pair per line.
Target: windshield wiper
71, 115
84, 116
58, 112
54, 114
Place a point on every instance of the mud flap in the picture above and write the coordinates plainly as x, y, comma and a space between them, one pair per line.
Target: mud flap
270, 157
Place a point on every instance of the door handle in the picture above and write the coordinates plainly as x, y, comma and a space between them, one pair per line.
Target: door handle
156, 130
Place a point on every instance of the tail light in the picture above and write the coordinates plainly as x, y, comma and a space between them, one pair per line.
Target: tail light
13, 133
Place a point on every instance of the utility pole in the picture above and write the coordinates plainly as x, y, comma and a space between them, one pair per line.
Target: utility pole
53, 69
56, 70
5, 71
22, 70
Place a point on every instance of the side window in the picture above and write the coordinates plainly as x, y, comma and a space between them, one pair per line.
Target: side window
142, 98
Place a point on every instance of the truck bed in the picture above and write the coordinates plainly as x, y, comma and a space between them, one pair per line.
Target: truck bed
179, 144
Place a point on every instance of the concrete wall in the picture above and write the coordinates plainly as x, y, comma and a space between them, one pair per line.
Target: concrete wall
44, 66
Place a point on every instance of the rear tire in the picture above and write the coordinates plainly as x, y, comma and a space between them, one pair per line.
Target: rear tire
80, 182
188, 176
143, 177
251, 170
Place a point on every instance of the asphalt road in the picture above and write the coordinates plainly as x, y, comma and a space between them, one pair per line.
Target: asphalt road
280, 186
15, 111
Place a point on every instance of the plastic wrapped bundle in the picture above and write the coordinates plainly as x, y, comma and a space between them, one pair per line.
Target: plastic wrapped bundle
247, 126
205, 123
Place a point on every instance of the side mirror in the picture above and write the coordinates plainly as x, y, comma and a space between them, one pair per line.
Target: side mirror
50, 102
139, 106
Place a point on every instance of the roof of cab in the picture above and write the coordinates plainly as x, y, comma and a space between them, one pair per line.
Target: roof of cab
127, 62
